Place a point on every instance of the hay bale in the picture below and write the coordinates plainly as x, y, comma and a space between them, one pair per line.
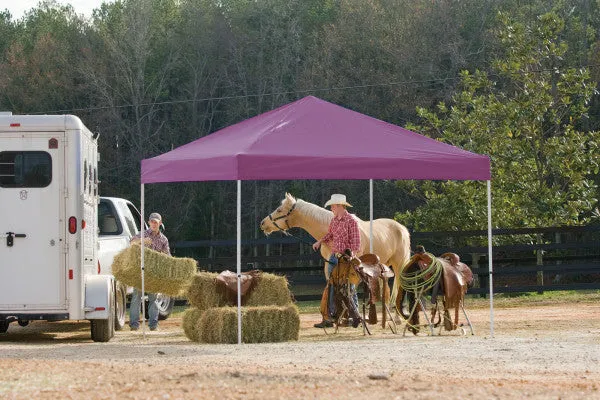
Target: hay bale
163, 273
190, 323
204, 292
259, 324
271, 290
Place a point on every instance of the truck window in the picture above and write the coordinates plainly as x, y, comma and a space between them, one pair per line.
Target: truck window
128, 218
20, 169
108, 223
136, 216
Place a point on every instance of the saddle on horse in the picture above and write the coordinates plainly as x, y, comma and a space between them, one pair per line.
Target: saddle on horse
227, 281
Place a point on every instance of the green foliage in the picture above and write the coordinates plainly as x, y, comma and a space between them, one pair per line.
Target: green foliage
523, 116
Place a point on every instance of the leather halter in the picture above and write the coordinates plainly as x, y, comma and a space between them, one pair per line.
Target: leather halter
282, 217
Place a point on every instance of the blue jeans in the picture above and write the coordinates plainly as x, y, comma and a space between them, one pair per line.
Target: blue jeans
134, 309
330, 265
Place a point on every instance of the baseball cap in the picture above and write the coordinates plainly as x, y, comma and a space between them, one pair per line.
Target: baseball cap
155, 216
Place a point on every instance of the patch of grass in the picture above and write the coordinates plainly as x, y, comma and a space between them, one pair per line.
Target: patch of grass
502, 300
474, 301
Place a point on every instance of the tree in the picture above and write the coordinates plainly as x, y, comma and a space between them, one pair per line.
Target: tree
523, 115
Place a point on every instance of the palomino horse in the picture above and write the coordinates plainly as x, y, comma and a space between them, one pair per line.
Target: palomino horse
443, 276
391, 240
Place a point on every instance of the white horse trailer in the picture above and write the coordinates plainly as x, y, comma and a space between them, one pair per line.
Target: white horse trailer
48, 224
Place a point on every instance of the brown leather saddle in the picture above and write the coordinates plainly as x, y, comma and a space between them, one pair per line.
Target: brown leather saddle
227, 282
375, 275
456, 278
344, 272
451, 283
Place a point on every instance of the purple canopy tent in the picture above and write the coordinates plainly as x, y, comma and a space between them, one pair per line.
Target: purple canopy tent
314, 139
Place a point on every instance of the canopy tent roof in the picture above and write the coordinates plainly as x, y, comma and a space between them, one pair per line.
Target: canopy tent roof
314, 139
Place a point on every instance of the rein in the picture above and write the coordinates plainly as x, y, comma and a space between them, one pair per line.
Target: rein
282, 217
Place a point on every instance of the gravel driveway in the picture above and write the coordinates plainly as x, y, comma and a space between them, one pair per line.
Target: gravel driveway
541, 352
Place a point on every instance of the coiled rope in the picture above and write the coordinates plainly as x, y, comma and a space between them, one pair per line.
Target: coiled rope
421, 280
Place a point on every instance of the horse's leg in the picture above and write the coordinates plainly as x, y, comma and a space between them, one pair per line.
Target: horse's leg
420, 298
384, 301
455, 318
412, 319
324, 307
433, 312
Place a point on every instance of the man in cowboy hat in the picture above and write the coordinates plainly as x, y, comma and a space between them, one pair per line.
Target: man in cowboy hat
342, 235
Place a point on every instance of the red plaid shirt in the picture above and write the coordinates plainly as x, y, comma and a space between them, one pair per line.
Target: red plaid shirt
343, 234
159, 242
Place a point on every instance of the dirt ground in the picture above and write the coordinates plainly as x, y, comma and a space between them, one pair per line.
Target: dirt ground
537, 352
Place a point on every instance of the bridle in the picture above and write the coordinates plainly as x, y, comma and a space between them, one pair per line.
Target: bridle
285, 231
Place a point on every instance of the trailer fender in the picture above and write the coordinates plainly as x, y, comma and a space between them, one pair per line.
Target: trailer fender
98, 289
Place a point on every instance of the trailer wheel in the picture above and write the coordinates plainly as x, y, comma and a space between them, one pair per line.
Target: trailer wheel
104, 329
4, 326
120, 306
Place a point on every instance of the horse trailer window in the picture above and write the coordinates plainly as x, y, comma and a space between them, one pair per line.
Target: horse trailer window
19, 169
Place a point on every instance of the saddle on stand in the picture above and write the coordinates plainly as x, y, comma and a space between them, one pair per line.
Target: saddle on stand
444, 278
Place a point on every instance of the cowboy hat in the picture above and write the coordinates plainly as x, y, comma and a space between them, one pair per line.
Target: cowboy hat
338, 199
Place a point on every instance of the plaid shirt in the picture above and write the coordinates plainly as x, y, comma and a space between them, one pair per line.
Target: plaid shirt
343, 234
159, 242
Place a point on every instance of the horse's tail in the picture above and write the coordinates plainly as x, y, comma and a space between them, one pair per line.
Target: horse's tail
402, 258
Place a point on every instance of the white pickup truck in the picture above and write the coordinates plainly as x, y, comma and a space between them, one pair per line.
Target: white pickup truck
118, 222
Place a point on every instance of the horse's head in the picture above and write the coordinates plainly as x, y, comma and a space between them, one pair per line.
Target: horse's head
278, 219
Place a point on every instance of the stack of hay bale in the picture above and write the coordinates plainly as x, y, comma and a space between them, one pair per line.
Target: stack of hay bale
162, 273
268, 314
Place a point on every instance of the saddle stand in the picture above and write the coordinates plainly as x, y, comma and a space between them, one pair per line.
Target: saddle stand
346, 314
390, 322
447, 319
419, 304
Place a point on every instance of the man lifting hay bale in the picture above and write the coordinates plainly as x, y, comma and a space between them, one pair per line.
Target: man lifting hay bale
163, 273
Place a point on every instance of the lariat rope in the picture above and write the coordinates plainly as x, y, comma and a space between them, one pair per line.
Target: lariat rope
422, 280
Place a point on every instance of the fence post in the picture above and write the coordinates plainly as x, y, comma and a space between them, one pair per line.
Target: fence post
540, 263
482, 279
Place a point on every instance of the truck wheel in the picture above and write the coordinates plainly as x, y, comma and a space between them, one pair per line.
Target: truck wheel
104, 329
165, 306
4, 326
120, 306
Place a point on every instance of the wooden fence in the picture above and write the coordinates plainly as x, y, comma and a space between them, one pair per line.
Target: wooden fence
524, 260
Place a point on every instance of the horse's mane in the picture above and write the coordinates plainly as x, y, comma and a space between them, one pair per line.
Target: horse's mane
322, 215
311, 210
